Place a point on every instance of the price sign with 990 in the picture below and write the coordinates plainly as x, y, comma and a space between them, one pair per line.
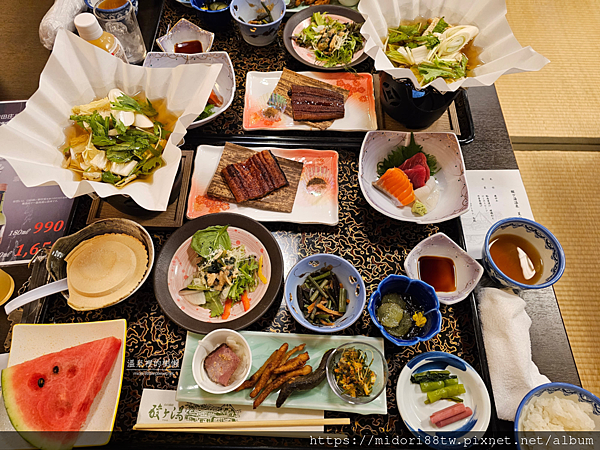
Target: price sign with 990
41, 229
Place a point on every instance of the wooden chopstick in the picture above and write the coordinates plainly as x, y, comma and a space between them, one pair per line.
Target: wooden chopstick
241, 424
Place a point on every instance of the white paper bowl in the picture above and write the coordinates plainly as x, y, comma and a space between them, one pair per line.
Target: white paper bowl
77, 73
224, 86
183, 31
454, 198
468, 271
502, 52
209, 343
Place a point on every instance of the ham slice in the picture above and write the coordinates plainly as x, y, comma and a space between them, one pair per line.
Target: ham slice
449, 415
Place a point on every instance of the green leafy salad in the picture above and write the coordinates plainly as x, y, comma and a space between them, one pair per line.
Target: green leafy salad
225, 274
333, 42
431, 49
116, 140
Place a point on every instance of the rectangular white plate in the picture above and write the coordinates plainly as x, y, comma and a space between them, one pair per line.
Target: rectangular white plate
316, 200
360, 113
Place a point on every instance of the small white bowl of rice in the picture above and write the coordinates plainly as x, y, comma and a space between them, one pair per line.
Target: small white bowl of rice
556, 409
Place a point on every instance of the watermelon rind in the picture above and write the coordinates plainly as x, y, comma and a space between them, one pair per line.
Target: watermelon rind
43, 440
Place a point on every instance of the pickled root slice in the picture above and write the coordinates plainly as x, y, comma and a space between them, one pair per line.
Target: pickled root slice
403, 328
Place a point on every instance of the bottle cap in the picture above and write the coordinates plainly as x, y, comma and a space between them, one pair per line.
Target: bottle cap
88, 27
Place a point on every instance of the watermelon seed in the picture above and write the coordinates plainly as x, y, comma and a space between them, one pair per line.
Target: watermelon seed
41, 382
55, 369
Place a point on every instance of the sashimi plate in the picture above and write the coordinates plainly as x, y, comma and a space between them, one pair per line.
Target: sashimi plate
360, 113
415, 413
316, 200
30, 341
451, 179
262, 345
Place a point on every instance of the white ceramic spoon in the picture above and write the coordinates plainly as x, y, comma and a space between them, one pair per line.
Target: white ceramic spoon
37, 293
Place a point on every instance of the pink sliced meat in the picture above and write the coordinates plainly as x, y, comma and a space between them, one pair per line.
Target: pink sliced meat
467, 413
418, 176
220, 364
448, 412
418, 160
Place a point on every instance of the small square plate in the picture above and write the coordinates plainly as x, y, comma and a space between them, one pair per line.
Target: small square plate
468, 271
31, 341
451, 179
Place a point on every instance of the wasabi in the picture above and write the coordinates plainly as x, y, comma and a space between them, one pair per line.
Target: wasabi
418, 208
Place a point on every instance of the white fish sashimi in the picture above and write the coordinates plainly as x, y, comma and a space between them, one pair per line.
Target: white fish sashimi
429, 194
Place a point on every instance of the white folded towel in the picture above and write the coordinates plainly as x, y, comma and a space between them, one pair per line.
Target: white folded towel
508, 348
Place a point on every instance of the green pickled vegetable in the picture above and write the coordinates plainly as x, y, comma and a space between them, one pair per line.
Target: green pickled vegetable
431, 375
446, 392
451, 382
394, 298
342, 300
403, 327
428, 386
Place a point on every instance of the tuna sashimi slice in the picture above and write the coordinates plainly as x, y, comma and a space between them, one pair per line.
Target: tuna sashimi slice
418, 160
418, 176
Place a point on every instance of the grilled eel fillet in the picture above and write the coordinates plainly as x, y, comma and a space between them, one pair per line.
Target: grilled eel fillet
315, 104
256, 177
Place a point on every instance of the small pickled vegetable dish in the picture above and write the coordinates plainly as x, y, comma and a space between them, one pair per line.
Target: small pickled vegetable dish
399, 316
116, 139
431, 49
353, 373
439, 384
225, 275
214, 6
333, 42
322, 297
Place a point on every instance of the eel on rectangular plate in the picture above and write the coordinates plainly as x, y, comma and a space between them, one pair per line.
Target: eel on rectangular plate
315, 104
256, 177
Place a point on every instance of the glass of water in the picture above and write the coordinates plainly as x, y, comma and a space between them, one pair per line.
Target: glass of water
123, 24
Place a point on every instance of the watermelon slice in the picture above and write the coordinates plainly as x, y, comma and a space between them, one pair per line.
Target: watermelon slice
48, 398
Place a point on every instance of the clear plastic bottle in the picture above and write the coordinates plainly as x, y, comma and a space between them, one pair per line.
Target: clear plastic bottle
89, 29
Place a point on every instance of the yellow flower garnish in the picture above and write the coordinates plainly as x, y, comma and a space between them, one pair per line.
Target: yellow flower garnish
420, 319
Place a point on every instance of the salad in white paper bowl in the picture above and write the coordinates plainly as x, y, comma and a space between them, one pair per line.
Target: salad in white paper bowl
428, 42
78, 73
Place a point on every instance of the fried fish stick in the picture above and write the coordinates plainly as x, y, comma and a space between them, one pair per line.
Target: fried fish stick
250, 382
293, 364
298, 348
262, 382
279, 381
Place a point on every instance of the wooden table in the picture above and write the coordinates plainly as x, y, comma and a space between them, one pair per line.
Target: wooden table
491, 149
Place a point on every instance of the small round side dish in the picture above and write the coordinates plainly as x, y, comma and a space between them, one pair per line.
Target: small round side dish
346, 274
561, 391
423, 296
208, 344
550, 250
378, 365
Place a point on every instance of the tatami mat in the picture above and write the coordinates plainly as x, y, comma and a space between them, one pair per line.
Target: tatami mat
563, 191
562, 101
